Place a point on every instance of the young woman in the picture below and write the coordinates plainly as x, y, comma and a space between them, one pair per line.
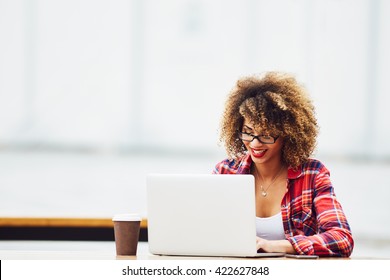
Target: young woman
269, 130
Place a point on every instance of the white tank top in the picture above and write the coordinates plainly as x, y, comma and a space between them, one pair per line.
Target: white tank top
270, 228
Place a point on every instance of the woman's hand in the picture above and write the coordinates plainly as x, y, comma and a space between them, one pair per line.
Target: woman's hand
261, 243
274, 246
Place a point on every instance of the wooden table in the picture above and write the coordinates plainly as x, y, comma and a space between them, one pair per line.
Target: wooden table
87, 250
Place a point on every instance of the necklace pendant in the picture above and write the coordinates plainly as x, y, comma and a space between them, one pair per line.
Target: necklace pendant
264, 193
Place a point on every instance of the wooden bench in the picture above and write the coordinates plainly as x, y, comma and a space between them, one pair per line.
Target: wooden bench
48, 228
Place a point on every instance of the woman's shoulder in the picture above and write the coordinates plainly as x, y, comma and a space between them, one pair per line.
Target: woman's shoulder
315, 166
311, 166
233, 165
313, 163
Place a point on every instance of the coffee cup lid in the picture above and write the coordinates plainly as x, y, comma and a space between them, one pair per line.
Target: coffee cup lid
126, 217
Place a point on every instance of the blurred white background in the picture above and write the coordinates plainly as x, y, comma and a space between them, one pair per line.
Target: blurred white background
95, 94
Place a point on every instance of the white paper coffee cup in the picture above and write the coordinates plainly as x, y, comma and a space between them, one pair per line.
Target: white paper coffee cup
126, 218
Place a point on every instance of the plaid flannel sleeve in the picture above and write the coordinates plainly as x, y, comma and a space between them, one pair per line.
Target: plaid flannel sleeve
334, 237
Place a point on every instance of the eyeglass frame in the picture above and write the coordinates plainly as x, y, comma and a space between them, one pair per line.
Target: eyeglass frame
240, 133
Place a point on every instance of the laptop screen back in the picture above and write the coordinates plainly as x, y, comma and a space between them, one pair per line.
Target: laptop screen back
201, 214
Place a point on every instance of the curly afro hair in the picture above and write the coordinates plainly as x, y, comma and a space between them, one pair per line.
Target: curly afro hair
277, 105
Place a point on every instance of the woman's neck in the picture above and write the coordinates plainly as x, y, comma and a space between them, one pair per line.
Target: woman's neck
268, 170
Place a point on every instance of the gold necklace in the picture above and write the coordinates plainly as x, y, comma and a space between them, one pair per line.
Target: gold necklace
264, 191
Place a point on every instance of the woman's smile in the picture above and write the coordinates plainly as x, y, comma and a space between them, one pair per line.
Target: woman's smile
258, 153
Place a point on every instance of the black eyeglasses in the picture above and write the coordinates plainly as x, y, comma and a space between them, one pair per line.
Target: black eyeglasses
265, 139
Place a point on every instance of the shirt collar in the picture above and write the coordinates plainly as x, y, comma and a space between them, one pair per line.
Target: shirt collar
294, 173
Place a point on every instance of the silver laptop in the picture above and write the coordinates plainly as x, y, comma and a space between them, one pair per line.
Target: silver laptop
202, 215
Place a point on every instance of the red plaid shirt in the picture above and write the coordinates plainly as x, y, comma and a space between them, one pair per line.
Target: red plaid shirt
313, 219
